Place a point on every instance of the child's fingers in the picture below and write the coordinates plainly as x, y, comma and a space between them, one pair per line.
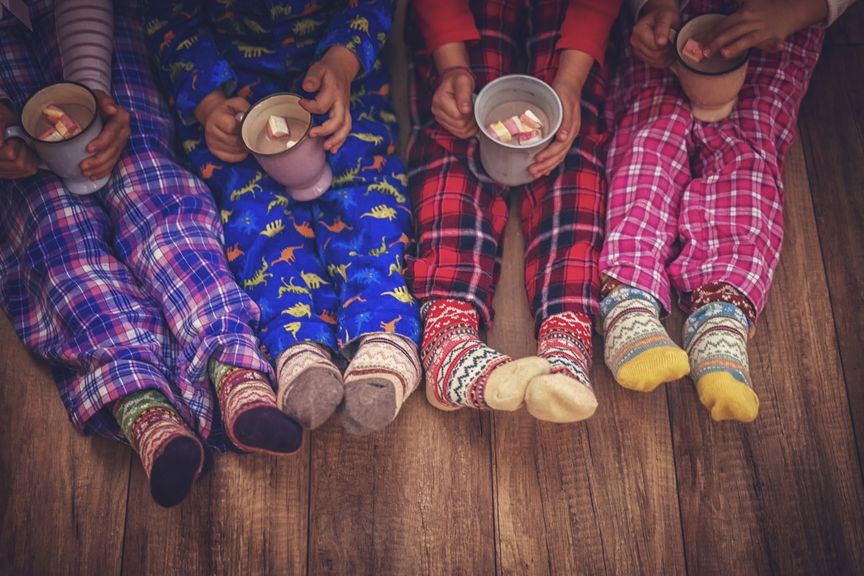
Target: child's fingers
663, 23
115, 130
463, 86
730, 30
335, 142
101, 164
332, 124
321, 104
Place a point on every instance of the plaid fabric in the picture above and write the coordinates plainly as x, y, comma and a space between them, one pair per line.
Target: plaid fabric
329, 270
460, 213
694, 203
127, 289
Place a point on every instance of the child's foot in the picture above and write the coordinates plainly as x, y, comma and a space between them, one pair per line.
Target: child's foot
171, 454
565, 395
461, 370
383, 373
715, 336
310, 385
638, 350
252, 420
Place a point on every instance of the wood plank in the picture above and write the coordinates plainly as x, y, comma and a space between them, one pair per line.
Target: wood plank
415, 498
62, 496
248, 516
832, 129
596, 497
784, 494
849, 29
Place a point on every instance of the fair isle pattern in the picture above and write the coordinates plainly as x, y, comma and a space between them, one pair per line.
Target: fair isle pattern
153, 430
565, 341
295, 361
240, 390
457, 363
715, 337
389, 357
631, 326
128, 409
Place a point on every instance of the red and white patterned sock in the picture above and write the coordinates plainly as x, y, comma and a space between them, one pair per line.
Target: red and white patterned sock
565, 395
251, 417
462, 371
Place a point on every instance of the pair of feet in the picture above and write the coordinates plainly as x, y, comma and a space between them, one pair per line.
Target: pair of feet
641, 355
174, 457
383, 372
462, 371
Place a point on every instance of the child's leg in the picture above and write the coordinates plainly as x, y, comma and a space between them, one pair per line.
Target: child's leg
171, 454
647, 167
459, 223
731, 223
562, 220
363, 225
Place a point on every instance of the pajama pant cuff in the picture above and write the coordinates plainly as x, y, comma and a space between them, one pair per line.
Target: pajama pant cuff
279, 336
88, 401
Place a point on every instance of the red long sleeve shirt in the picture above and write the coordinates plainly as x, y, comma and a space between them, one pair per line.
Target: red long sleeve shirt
585, 28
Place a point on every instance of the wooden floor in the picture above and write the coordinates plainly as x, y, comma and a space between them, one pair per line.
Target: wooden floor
648, 486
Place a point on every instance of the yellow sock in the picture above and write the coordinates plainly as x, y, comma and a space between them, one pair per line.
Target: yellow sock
716, 341
638, 350
727, 398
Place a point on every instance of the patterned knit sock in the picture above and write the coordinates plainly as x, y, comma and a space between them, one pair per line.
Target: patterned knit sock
638, 350
383, 373
252, 420
565, 395
170, 452
461, 370
716, 340
310, 385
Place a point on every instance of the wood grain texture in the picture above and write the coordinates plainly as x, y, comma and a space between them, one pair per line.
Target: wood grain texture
836, 174
587, 498
415, 498
784, 494
62, 496
248, 516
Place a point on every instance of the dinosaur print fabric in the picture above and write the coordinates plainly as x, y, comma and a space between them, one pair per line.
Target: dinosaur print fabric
328, 270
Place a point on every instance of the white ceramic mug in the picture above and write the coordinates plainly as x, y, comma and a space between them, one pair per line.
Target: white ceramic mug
507, 162
62, 157
711, 85
302, 168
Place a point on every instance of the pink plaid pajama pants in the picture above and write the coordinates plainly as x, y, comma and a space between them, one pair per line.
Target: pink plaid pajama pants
694, 203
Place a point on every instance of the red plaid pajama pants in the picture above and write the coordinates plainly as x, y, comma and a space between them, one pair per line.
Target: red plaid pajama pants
694, 203
460, 213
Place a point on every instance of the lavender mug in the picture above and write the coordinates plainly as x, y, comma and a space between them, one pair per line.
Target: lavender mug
298, 162
63, 157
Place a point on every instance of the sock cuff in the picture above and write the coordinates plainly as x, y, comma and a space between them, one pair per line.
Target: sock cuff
128, 410
625, 293
567, 322
448, 306
723, 310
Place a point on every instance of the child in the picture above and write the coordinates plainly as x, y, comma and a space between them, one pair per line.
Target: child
327, 274
460, 213
126, 292
699, 206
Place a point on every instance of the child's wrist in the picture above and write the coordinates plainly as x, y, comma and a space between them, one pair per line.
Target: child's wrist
451, 55
652, 5
345, 59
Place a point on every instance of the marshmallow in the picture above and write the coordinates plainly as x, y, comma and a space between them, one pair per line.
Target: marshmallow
277, 127
693, 51
530, 120
500, 131
524, 129
64, 126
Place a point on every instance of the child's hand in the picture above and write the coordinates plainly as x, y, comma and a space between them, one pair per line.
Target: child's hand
218, 115
17, 160
452, 104
331, 79
573, 69
109, 144
763, 24
650, 37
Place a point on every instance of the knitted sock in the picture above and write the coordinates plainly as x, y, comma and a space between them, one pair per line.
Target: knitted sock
170, 452
638, 350
461, 370
252, 420
565, 395
310, 385
716, 340
383, 373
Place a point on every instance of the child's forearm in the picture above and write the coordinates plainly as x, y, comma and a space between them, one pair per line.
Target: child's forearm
640, 7
451, 55
85, 32
804, 13
574, 66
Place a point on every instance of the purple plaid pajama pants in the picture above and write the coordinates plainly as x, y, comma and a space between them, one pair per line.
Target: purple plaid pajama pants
694, 203
127, 289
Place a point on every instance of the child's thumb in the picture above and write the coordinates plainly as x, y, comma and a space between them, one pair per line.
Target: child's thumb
462, 88
662, 26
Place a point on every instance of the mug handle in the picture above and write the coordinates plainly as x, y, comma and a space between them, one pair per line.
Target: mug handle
16, 132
